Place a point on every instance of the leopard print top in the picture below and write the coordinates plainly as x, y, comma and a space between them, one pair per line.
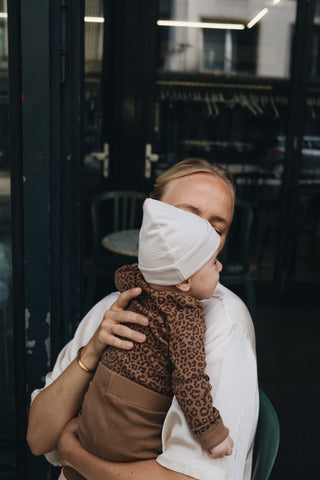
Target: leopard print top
172, 360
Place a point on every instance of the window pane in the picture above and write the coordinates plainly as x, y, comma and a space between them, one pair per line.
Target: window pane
307, 254
236, 36
223, 96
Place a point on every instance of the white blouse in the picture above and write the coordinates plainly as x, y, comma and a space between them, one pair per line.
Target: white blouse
231, 366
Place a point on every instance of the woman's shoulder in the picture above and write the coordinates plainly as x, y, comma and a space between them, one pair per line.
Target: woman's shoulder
226, 311
103, 304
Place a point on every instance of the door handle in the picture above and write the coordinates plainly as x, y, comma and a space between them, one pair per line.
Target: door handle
104, 158
149, 158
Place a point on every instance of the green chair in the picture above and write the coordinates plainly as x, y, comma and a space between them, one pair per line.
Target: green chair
266, 442
235, 254
110, 212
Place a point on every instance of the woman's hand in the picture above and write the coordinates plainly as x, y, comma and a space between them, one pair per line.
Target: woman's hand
69, 444
113, 319
111, 326
57, 404
94, 468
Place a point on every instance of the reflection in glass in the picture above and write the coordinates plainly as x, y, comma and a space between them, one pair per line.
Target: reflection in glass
219, 97
94, 31
307, 265
315, 47
94, 28
239, 37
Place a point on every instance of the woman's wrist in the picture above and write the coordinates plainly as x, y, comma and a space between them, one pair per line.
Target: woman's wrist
88, 358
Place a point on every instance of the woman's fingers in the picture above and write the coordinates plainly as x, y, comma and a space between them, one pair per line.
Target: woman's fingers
111, 327
111, 338
128, 333
125, 298
117, 314
112, 317
72, 426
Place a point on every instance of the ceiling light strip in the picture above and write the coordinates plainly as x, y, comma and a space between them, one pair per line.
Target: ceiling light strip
94, 19
178, 23
258, 17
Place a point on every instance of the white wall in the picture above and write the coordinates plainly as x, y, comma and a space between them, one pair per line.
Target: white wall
274, 32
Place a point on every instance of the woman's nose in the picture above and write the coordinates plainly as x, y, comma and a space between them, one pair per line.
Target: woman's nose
220, 267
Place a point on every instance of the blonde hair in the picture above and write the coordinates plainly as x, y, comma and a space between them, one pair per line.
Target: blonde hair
191, 166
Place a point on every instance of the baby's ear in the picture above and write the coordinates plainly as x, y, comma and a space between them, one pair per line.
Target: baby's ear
184, 286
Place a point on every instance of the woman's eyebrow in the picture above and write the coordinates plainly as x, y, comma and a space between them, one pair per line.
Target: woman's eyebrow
196, 211
218, 219
189, 208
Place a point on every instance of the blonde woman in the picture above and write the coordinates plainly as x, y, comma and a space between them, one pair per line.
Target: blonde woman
206, 190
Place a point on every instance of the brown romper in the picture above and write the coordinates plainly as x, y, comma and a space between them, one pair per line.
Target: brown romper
127, 401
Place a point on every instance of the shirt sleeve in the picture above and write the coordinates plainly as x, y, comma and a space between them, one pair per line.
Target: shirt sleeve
232, 369
84, 332
190, 383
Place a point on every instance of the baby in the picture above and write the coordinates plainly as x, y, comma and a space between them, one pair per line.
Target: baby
124, 408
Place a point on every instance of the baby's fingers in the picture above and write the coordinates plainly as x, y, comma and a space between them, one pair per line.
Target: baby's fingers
222, 449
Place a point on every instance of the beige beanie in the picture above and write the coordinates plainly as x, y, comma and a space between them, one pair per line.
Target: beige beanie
173, 244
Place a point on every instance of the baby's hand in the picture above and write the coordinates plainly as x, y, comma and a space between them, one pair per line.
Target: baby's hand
222, 449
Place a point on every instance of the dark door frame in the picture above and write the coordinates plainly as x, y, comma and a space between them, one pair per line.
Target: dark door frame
18, 304
288, 219
45, 108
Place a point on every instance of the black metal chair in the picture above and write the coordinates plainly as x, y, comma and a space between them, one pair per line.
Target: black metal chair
110, 211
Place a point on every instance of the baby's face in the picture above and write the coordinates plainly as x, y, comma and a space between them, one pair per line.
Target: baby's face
204, 282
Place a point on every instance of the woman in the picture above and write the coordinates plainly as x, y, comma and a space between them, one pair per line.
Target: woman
196, 186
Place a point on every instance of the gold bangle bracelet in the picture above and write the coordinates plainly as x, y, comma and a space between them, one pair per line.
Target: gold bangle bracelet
82, 365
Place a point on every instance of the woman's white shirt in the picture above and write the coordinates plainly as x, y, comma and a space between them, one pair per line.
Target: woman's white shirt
231, 366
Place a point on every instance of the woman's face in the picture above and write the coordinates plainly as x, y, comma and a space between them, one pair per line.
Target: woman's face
205, 195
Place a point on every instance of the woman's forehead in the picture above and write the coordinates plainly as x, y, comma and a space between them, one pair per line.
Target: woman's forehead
204, 194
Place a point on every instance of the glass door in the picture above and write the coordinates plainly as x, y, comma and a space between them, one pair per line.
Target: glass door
120, 85
217, 87
208, 79
222, 94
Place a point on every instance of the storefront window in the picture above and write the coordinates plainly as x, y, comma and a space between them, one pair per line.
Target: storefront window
238, 37
223, 94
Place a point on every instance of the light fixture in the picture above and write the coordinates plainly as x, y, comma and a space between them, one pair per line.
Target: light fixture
274, 2
178, 23
3, 15
94, 19
258, 17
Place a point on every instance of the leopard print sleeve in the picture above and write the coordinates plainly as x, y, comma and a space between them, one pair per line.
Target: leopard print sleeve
190, 383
